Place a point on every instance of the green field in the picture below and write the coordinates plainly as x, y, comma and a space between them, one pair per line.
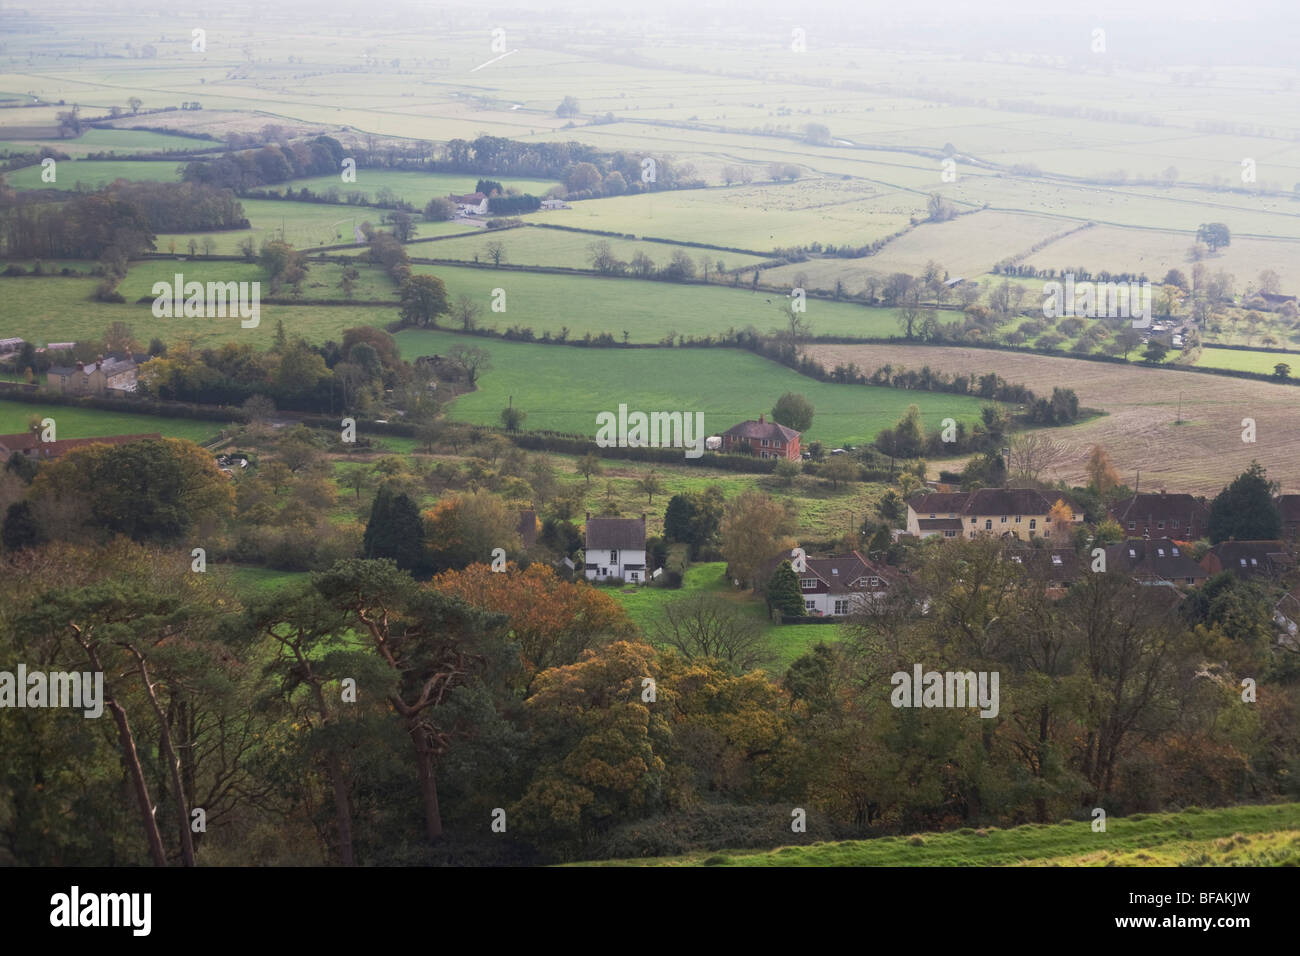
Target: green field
563, 388
93, 174
61, 309
71, 422
1243, 361
1251, 836
555, 247
304, 225
647, 310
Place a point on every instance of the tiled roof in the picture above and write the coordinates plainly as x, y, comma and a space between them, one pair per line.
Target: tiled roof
29, 441
1253, 557
1289, 505
753, 429
621, 534
1159, 507
1153, 558
989, 501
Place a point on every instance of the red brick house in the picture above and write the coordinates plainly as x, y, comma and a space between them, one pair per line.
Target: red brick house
1180, 516
763, 439
30, 445
1289, 505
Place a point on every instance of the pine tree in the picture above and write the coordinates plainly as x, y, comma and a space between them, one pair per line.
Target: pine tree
395, 531
678, 519
1245, 510
20, 528
784, 593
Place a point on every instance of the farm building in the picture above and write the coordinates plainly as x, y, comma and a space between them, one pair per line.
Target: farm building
471, 204
115, 373
762, 439
10, 345
29, 444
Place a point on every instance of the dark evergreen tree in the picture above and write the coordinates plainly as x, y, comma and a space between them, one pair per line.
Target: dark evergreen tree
784, 593
1245, 509
679, 519
20, 528
395, 531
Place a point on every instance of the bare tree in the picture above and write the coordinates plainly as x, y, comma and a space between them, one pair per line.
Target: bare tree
1032, 453
708, 625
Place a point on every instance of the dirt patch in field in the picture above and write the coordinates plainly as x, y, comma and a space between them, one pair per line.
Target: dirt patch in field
1140, 431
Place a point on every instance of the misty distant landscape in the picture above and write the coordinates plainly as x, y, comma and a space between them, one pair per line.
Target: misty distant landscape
717, 434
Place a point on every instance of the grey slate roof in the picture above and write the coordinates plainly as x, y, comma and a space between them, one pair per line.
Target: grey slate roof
622, 534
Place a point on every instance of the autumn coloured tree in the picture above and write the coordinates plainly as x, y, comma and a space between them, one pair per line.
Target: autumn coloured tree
463, 529
754, 529
1102, 476
552, 620
603, 743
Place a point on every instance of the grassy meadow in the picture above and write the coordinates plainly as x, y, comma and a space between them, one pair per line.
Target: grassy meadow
563, 388
1233, 836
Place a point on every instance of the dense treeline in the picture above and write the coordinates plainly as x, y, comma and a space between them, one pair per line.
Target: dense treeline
363, 717
118, 221
275, 163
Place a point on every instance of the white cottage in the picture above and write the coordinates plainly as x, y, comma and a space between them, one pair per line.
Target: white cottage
615, 549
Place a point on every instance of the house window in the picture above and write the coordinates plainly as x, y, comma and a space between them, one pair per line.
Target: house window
950, 533
1004, 519
1174, 523
1160, 524
1017, 519
1191, 580
810, 605
1033, 523
1056, 559
613, 557
765, 443
1160, 552
808, 583
1132, 525
931, 515
1175, 551
841, 607
973, 520
603, 572
874, 582
988, 524
972, 534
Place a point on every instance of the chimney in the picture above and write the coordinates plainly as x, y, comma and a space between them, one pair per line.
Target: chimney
760, 418
588, 515
643, 517
80, 366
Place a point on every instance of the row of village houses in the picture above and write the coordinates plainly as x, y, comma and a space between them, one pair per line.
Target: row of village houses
1158, 527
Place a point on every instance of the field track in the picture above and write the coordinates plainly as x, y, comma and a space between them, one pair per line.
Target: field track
1139, 430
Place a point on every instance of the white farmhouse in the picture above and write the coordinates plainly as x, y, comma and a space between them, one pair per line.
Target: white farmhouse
615, 548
